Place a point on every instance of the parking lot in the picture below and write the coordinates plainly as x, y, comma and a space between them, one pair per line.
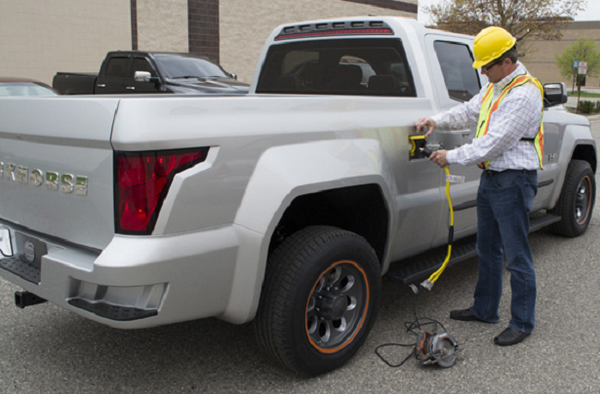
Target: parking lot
44, 349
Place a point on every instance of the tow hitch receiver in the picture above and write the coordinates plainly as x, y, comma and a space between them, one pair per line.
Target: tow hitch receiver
25, 298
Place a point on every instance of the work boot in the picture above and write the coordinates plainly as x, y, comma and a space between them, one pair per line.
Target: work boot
464, 315
510, 337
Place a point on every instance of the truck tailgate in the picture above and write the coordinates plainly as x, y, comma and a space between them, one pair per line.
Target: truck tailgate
56, 168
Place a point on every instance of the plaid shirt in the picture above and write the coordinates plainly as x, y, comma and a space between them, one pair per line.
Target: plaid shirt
518, 116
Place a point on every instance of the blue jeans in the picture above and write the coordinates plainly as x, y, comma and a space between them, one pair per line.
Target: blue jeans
504, 200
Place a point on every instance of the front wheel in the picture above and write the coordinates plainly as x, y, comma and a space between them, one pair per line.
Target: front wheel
319, 300
576, 201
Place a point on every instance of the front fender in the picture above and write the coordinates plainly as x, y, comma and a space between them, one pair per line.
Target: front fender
574, 136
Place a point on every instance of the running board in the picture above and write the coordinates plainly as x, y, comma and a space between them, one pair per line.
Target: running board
416, 269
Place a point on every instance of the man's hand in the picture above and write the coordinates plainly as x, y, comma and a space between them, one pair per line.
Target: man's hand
425, 122
439, 158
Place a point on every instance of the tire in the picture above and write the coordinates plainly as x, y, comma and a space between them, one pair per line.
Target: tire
576, 201
319, 300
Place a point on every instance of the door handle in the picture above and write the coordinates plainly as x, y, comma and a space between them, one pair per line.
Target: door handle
101, 85
130, 87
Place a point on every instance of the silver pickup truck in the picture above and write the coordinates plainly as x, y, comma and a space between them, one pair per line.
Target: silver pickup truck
286, 206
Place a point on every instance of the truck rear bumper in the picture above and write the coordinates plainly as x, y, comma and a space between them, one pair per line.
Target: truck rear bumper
139, 282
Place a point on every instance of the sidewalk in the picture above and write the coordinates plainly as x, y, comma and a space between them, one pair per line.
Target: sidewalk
572, 100
594, 118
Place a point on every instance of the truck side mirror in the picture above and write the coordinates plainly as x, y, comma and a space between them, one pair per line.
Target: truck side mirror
141, 76
144, 76
554, 94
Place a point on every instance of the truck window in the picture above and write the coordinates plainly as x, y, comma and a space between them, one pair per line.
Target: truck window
173, 66
375, 67
142, 64
456, 62
117, 67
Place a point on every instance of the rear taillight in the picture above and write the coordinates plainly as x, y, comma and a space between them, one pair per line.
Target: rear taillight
142, 182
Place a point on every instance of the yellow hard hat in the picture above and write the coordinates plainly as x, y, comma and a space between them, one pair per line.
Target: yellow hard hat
490, 44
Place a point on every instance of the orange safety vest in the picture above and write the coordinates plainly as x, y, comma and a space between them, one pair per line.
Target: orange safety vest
488, 107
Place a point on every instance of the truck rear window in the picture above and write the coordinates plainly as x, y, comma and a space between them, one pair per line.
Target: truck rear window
117, 67
375, 67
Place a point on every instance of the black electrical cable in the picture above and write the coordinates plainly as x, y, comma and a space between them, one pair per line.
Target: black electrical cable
412, 328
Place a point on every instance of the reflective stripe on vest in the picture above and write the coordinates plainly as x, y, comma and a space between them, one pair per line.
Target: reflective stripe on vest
488, 106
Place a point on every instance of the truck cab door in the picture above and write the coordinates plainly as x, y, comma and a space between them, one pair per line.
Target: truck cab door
451, 59
114, 75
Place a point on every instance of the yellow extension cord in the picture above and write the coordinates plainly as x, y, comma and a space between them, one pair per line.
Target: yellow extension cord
428, 284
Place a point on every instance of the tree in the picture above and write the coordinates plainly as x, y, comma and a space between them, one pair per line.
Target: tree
583, 50
540, 19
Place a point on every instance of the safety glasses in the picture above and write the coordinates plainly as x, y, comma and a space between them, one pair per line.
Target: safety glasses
488, 67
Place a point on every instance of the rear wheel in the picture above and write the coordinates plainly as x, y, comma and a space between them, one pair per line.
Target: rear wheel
576, 201
320, 299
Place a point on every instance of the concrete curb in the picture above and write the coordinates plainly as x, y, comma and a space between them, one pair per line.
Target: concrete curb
593, 118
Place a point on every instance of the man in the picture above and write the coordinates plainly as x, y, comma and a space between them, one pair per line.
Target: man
508, 146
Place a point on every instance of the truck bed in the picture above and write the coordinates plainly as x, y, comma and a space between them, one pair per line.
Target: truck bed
74, 83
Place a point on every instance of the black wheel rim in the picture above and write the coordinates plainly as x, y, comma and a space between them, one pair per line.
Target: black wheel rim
583, 200
337, 307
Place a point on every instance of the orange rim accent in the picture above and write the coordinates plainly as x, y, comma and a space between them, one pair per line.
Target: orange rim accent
362, 320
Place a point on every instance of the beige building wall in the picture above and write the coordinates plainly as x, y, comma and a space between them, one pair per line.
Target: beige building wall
541, 62
41, 37
162, 25
246, 24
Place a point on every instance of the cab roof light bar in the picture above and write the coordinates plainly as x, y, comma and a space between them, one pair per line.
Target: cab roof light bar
334, 29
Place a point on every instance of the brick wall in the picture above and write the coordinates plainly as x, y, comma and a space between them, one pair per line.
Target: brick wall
203, 24
134, 34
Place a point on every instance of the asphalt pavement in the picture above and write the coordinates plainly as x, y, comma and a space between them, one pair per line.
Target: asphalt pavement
44, 349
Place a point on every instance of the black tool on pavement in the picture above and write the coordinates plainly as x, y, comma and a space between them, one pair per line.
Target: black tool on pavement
432, 346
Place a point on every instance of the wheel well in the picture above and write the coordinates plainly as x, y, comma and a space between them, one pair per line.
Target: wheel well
586, 153
359, 209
